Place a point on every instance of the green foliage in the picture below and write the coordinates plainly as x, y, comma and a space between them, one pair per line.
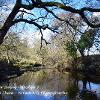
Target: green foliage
85, 42
87, 39
71, 49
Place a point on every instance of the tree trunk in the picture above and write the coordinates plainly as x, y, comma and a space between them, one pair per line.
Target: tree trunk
9, 22
2, 34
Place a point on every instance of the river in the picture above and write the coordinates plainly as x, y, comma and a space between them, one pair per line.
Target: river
50, 85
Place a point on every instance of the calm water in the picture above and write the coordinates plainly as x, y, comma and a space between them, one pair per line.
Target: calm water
51, 85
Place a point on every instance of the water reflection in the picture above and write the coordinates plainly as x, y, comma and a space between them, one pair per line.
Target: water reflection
51, 85
34, 97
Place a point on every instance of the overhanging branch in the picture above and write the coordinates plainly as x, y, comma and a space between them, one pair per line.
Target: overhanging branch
27, 21
10, 19
66, 8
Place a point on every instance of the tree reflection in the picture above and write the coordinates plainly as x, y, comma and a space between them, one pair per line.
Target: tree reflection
88, 95
73, 90
72, 86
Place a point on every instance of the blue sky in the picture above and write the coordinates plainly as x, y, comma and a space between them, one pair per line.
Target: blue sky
30, 30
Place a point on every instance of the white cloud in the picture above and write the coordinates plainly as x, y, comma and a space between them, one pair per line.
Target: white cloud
96, 13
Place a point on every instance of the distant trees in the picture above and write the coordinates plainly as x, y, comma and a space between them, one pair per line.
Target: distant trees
79, 40
13, 48
78, 37
86, 41
70, 37
51, 55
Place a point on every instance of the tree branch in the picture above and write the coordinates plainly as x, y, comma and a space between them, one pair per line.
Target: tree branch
27, 21
8, 22
66, 8
39, 4
87, 21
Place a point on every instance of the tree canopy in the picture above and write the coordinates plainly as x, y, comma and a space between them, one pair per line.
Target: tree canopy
24, 8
